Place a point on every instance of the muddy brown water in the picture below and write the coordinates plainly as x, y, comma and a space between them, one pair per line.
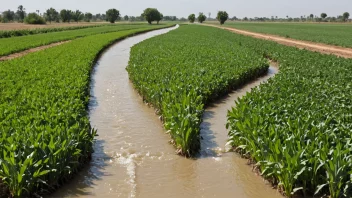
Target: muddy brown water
132, 155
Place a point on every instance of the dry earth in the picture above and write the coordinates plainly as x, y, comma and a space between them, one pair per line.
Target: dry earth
317, 47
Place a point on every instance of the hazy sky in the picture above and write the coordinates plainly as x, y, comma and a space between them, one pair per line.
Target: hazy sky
182, 8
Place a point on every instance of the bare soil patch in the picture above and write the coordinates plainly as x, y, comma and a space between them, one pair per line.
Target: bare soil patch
317, 47
20, 54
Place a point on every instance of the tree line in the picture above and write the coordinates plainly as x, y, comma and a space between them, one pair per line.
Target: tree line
222, 16
66, 16
149, 15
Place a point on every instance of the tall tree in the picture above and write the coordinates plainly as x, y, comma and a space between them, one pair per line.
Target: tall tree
151, 14
112, 15
51, 15
88, 16
8, 16
191, 18
77, 15
66, 15
345, 16
201, 17
222, 17
323, 15
159, 17
126, 18
21, 13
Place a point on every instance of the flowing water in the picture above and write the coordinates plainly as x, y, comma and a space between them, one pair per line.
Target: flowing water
132, 155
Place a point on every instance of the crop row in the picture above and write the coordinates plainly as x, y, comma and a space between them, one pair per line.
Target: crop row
185, 69
25, 32
44, 126
333, 34
16, 44
297, 127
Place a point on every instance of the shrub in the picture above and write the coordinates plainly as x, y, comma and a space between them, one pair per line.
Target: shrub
34, 18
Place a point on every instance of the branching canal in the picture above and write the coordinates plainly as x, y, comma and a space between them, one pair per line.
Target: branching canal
132, 155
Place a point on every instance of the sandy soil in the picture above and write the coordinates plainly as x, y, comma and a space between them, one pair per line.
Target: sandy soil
20, 26
317, 47
20, 54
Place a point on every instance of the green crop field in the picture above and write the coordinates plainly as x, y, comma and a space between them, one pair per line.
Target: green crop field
294, 129
24, 32
45, 130
17, 44
200, 65
334, 34
297, 127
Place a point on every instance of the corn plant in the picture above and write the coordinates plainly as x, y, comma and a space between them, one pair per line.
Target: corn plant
45, 134
297, 126
184, 70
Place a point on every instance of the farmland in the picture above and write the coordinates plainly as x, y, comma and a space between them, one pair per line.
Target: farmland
297, 126
46, 134
17, 44
307, 133
21, 26
180, 95
333, 34
120, 110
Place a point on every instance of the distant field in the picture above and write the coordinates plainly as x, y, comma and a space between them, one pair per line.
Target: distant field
17, 44
328, 33
22, 26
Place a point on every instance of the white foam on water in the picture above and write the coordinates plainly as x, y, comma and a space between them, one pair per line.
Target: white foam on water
129, 161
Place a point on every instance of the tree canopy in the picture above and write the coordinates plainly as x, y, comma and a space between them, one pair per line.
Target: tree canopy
345, 16
21, 13
323, 15
112, 15
66, 15
77, 15
222, 17
152, 14
8, 16
201, 17
192, 18
34, 18
51, 15
88, 16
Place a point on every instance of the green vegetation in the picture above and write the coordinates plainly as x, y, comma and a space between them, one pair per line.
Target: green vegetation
45, 130
77, 16
52, 15
34, 18
222, 17
201, 17
297, 127
16, 44
25, 32
191, 18
180, 72
152, 14
112, 15
334, 34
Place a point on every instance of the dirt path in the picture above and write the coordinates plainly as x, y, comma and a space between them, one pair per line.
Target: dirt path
22, 53
317, 47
